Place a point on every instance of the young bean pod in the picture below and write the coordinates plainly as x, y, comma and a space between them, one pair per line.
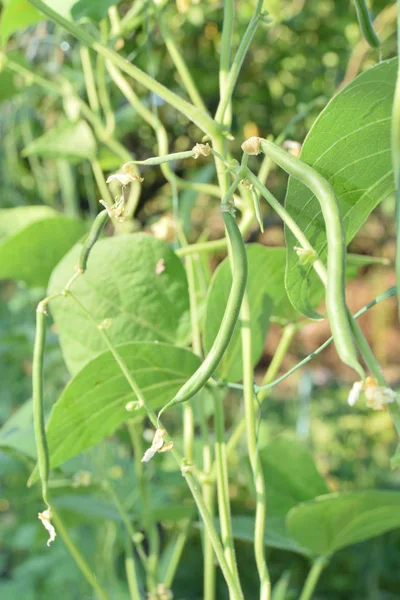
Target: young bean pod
93, 236
229, 320
335, 285
365, 22
38, 410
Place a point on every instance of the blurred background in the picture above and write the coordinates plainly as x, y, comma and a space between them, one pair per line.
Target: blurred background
293, 68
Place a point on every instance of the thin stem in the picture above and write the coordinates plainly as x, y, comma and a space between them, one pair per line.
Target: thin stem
88, 76
101, 183
67, 186
276, 362
103, 93
237, 63
225, 57
181, 66
312, 579
77, 556
133, 535
288, 220
204, 121
175, 556
207, 485
131, 573
223, 487
255, 462
149, 526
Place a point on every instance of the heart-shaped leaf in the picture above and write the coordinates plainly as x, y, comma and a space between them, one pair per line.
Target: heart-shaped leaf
291, 474
334, 521
74, 141
32, 241
136, 281
93, 403
350, 145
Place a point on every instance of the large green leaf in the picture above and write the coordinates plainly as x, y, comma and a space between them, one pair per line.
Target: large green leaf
16, 15
93, 404
243, 529
335, 521
122, 283
350, 145
267, 297
291, 474
74, 141
32, 241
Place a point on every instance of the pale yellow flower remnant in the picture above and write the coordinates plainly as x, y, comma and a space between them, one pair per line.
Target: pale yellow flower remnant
45, 517
158, 445
377, 396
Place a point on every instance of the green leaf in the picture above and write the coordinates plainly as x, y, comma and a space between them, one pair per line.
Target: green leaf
17, 432
121, 284
16, 15
267, 297
32, 241
291, 474
74, 141
93, 404
275, 537
350, 145
93, 10
334, 521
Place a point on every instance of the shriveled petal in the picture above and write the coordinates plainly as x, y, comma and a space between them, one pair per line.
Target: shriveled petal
355, 393
45, 517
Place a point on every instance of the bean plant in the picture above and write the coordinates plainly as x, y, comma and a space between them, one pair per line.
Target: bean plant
155, 347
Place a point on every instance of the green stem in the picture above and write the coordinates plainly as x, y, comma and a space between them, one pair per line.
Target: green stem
101, 183
67, 186
255, 462
312, 579
234, 71
77, 556
133, 535
90, 83
207, 486
175, 556
276, 362
223, 488
103, 93
131, 573
225, 57
181, 66
149, 526
201, 119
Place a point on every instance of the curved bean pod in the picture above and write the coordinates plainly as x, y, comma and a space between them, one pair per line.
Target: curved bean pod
365, 22
229, 320
335, 286
93, 236
38, 410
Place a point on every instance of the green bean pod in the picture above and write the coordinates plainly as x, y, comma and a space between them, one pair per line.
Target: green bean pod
335, 286
230, 318
93, 236
38, 410
365, 22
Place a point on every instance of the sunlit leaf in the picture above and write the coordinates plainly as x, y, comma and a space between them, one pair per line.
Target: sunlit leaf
17, 15
122, 284
350, 145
